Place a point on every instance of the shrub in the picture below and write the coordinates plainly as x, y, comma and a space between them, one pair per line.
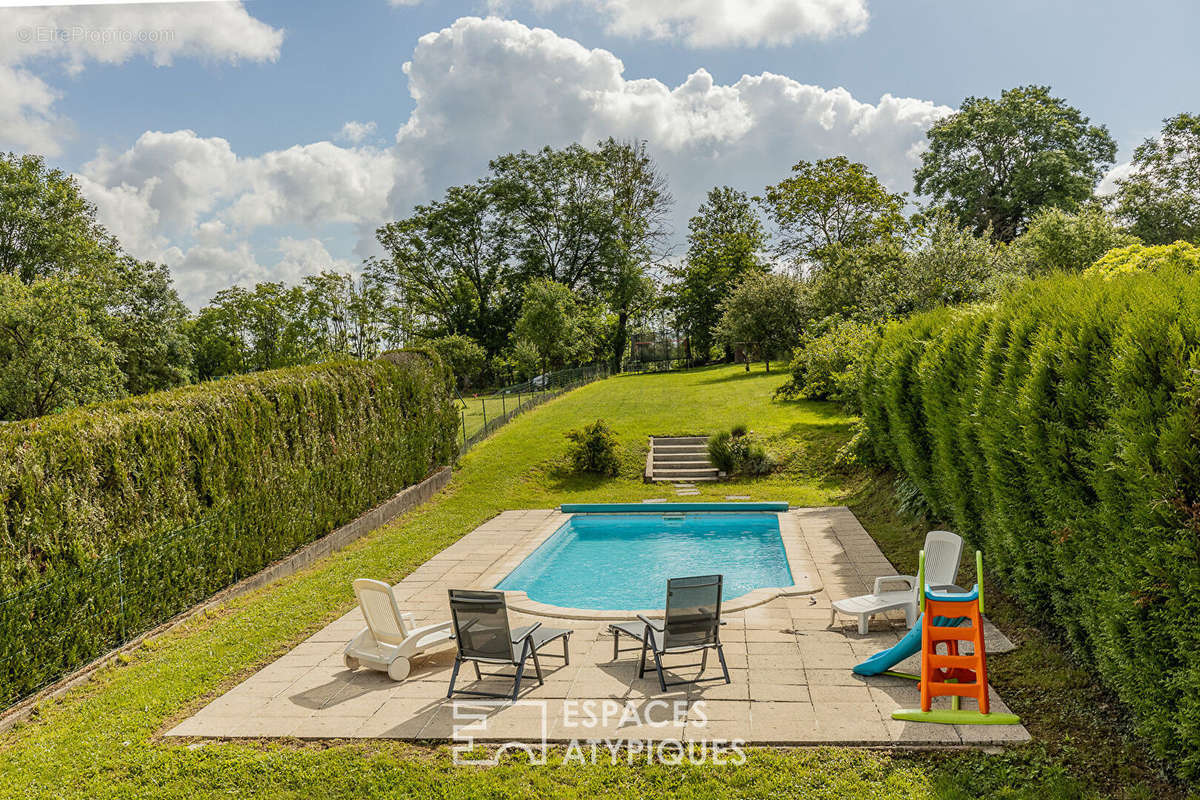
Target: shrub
464, 356
739, 429
733, 452
1067, 241
721, 453
1142, 258
1057, 430
594, 449
757, 461
827, 366
117, 516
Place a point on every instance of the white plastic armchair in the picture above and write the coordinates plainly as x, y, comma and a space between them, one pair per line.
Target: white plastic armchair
942, 552
391, 637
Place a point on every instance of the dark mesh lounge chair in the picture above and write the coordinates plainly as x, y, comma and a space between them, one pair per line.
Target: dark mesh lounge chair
482, 633
693, 622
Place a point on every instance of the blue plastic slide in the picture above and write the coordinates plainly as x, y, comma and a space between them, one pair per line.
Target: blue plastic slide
908, 646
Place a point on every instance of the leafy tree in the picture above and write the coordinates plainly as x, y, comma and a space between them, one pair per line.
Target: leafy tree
49, 230
243, 330
143, 317
346, 315
725, 242
550, 320
1161, 198
53, 354
857, 282
764, 312
995, 163
465, 357
450, 263
561, 209
640, 202
832, 204
47, 227
1068, 241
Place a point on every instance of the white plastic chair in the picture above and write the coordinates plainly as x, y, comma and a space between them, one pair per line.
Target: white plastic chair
391, 639
942, 552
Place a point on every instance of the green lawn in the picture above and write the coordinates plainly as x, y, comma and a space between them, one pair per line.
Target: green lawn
102, 739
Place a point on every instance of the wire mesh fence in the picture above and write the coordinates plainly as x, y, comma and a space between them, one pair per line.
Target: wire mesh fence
481, 416
81, 611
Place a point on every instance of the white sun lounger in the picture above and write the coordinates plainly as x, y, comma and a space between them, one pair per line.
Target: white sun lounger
942, 552
391, 638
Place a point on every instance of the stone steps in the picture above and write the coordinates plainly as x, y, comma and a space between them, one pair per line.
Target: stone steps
680, 458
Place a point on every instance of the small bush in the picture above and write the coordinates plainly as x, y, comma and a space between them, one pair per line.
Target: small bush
828, 366
758, 461
593, 450
734, 453
739, 430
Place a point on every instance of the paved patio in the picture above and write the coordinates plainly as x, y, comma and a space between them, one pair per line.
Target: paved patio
792, 682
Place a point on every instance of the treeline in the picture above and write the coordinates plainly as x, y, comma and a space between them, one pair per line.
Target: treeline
560, 257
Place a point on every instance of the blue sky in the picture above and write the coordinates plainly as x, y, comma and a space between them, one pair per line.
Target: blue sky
221, 152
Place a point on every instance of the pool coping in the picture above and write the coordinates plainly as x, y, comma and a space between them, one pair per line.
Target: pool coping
805, 580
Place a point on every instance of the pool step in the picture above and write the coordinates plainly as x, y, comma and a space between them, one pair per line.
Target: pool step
679, 458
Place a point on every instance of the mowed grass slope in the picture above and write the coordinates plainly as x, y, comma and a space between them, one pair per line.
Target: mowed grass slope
102, 740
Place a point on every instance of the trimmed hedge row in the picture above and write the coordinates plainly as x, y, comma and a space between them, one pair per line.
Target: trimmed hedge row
116, 516
1059, 431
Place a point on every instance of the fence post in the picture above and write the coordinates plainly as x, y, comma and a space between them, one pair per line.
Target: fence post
463, 413
483, 400
121, 598
503, 406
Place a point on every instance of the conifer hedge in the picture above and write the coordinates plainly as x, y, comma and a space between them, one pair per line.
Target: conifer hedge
1059, 431
114, 517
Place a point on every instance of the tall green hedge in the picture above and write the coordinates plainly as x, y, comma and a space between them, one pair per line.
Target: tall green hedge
1059, 431
116, 516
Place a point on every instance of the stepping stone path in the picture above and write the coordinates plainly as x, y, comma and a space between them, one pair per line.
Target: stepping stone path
737, 497
681, 459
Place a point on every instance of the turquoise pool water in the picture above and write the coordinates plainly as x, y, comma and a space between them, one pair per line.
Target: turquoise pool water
622, 561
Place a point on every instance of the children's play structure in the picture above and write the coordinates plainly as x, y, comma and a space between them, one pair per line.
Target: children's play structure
947, 618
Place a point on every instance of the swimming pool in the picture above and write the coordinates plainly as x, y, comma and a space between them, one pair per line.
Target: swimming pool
622, 561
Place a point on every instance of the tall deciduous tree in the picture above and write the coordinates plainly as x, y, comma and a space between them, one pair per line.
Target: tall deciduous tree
764, 313
725, 243
47, 227
450, 263
1160, 199
640, 202
560, 205
994, 163
832, 204
53, 354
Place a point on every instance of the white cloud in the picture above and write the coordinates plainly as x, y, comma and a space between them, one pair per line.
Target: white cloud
481, 87
1108, 184
488, 86
74, 36
27, 118
354, 132
725, 23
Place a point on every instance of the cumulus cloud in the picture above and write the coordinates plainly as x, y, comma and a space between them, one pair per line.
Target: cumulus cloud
74, 36
486, 86
725, 23
355, 132
481, 87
